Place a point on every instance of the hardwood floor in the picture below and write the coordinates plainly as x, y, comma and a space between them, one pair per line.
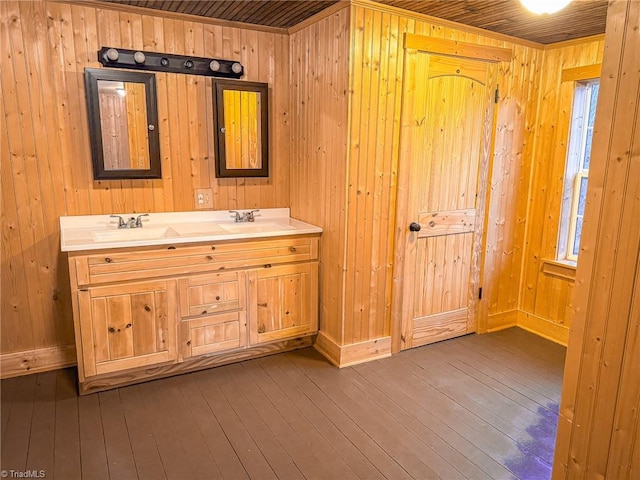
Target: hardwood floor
476, 407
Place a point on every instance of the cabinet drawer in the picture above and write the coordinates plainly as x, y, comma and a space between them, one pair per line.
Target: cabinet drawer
213, 333
184, 259
212, 293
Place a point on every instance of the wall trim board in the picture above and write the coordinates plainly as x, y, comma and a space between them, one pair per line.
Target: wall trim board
542, 327
353, 354
586, 72
173, 15
327, 12
35, 361
457, 49
574, 42
559, 269
501, 321
446, 23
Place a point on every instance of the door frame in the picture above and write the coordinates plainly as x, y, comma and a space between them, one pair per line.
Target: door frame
420, 45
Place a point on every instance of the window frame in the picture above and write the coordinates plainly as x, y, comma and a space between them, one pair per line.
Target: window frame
582, 80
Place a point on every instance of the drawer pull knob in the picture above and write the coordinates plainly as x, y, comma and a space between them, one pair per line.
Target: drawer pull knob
188, 342
292, 249
213, 248
108, 260
268, 265
147, 308
171, 247
112, 330
209, 257
217, 297
128, 325
203, 312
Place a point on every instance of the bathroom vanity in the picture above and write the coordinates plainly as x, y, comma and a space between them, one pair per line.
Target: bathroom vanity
187, 291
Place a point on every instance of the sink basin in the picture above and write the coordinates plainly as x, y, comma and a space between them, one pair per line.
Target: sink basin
197, 229
133, 234
255, 227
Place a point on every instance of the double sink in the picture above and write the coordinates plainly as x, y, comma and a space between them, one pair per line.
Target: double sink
187, 230
100, 231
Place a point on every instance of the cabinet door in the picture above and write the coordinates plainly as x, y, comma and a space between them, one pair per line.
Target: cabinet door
127, 326
283, 302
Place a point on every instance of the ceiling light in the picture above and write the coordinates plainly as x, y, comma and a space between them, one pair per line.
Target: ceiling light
544, 6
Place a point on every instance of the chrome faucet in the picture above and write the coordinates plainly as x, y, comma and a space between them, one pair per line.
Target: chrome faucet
132, 222
244, 216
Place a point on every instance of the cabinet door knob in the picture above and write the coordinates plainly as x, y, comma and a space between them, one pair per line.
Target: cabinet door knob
415, 227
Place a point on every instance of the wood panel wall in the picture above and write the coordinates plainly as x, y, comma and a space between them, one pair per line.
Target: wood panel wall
599, 425
545, 296
319, 87
46, 162
357, 297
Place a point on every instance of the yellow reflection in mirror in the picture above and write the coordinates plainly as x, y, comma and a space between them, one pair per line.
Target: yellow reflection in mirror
242, 129
123, 120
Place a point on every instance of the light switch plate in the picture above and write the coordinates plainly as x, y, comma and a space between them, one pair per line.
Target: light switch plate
203, 198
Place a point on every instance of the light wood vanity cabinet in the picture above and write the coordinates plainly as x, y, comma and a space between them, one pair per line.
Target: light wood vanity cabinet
148, 312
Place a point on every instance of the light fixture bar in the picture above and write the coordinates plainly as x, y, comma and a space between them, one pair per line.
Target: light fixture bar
165, 62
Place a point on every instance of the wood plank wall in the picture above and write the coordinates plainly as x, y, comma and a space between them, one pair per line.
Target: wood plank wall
46, 163
375, 75
599, 424
319, 85
545, 297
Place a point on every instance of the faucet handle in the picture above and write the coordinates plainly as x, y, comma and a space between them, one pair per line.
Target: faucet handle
236, 215
139, 220
121, 222
249, 215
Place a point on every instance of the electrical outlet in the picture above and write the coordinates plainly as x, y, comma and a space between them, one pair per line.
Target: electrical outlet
204, 198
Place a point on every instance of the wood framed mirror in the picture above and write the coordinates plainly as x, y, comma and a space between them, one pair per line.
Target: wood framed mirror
241, 128
123, 124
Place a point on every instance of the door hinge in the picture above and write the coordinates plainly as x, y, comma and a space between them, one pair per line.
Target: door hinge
497, 97
480, 293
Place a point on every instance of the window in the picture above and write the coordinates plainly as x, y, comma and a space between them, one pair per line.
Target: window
577, 168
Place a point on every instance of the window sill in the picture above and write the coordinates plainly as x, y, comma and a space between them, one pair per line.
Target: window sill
565, 269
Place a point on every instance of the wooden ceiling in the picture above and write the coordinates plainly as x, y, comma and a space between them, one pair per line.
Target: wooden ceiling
580, 19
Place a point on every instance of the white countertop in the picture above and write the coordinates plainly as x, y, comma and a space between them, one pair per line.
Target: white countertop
97, 232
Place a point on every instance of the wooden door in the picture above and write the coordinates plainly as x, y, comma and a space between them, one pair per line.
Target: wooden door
445, 144
283, 302
129, 325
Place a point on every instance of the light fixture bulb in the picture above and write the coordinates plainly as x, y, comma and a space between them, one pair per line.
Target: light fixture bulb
113, 54
139, 57
236, 68
214, 65
544, 6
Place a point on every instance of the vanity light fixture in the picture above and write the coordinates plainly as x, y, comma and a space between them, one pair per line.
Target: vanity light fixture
545, 6
139, 57
164, 62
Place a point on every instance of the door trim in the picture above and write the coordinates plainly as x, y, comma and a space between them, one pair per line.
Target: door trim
457, 49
